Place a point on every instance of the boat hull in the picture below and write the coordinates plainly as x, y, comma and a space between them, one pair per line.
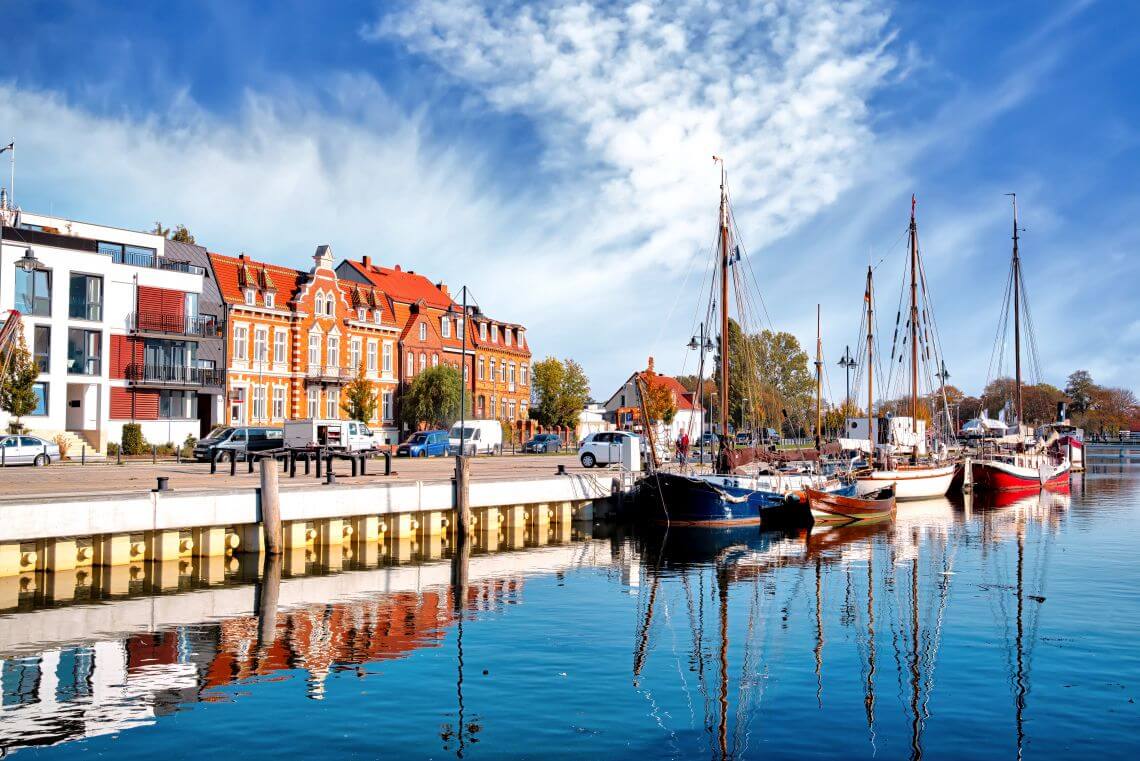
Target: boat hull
721, 500
827, 507
999, 476
911, 482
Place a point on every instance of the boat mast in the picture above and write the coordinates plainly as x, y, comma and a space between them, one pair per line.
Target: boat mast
1016, 316
818, 381
913, 322
723, 299
870, 368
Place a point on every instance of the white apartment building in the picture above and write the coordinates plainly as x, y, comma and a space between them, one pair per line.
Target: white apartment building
113, 324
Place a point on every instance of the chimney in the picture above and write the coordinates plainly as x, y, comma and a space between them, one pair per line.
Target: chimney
651, 364
397, 268
367, 262
443, 287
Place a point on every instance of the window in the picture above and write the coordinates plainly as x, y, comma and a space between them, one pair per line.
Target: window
191, 305
41, 347
479, 369
372, 356
279, 346
320, 303
329, 306
278, 402
511, 414
260, 345
410, 365
502, 369
423, 362
423, 331
250, 297
522, 375
334, 351
138, 256
361, 314
494, 334
511, 374
237, 405
332, 403
84, 351
41, 391
354, 353
386, 405
482, 331
269, 299
507, 336
522, 410
491, 367
113, 250
177, 404
387, 358
445, 327
377, 316
314, 349
314, 407
459, 326
85, 300
241, 342
494, 406
259, 403
435, 360
465, 373
33, 292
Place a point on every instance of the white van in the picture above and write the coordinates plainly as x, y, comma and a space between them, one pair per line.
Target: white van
479, 437
334, 434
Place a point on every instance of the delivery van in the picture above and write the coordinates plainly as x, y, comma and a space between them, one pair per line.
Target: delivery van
479, 437
349, 435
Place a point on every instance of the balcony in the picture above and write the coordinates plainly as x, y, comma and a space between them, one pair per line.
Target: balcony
329, 373
173, 375
203, 325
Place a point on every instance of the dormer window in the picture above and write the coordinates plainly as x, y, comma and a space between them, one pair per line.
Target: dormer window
269, 300
445, 327
482, 331
250, 297
507, 336
377, 316
494, 334
423, 331
361, 313
459, 323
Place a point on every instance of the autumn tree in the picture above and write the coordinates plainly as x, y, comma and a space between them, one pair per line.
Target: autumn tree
1079, 389
360, 397
17, 384
769, 378
561, 391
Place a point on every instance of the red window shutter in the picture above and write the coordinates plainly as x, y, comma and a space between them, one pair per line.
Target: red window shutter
143, 402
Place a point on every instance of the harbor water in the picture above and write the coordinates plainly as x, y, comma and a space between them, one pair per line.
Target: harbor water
961, 629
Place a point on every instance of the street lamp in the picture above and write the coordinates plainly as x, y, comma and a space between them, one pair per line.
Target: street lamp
28, 262
942, 375
848, 363
705, 345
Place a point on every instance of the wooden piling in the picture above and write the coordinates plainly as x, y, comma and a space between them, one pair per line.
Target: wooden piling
270, 506
462, 495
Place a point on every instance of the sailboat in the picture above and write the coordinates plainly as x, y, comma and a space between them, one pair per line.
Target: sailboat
730, 495
920, 478
1025, 464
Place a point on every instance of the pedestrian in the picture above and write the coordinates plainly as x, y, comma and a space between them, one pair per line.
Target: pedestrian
684, 447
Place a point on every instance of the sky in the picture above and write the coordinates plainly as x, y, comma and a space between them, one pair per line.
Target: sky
556, 157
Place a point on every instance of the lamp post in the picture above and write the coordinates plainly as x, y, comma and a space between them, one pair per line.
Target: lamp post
942, 375
848, 363
28, 262
704, 344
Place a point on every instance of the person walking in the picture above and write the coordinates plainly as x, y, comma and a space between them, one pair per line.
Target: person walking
684, 447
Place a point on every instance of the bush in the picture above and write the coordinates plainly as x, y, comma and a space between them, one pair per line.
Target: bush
165, 450
188, 446
133, 441
64, 443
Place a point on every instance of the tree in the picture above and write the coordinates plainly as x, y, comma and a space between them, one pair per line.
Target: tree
660, 403
1080, 388
360, 397
561, 391
160, 230
768, 375
17, 385
180, 233
434, 397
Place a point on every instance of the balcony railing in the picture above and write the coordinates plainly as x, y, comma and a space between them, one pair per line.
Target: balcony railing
329, 372
204, 325
153, 261
174, 374
173, 266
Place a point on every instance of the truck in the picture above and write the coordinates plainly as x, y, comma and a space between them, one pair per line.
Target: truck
349, 435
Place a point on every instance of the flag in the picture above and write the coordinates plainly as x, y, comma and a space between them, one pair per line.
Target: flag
9, 147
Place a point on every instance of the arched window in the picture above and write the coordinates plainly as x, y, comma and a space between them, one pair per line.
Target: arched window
410, 370
423, 331
423, 361
435, 360
320, 303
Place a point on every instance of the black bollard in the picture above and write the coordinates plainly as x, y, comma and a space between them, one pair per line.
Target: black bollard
352, 462
292, 458
363, 465
561, 470
249, 461
307, 463
318, 474
330, 477
163, 484
233, 462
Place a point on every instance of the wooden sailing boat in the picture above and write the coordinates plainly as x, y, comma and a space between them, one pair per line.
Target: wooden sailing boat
1026, 465
921, 477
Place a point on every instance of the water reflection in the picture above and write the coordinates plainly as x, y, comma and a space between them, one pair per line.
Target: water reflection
727, 639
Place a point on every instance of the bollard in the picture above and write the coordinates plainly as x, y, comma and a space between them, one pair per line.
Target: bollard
363, 465
387, 463
291, 458
330, 477
178, 455
561, 470
249, 462
233, 462
463, 494
214, 455
119, 455
153, 454
163, 484
83, 455
328, 464
308, 462
270, 506
3, 457
318, 457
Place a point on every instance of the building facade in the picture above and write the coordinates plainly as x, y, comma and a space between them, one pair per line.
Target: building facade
501, 384
623, 408
113, 322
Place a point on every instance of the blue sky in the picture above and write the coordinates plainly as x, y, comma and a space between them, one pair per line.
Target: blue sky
556, 158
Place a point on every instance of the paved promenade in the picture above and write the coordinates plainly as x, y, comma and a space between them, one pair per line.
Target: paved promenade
73, 480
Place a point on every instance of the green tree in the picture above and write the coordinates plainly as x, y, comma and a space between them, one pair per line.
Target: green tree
180, 233
360, 397
561, 391
434, 397
17, 384
1080, 388
769, 375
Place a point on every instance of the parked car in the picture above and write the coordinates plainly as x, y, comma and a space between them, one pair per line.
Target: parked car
334, 434
479, 437
242, 438
604, 448
543, 442
28, 450
768, 436
425, 444
744, 438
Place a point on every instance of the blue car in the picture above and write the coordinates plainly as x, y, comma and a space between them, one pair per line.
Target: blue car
424, 444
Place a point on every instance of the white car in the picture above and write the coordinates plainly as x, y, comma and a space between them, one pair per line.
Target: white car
27, 450
602, 448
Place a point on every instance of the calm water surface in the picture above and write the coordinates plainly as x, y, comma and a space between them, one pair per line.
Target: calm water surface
956, 631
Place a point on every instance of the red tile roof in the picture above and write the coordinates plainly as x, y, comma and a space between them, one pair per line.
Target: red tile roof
404, 285
235, 273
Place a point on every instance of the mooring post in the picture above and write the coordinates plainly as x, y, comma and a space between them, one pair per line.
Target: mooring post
462, 496
268, 592
270, 506
967, 475
83, 455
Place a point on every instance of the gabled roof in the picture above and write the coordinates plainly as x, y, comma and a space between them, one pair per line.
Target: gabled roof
360, 295
402, 285
683, 396
235, 274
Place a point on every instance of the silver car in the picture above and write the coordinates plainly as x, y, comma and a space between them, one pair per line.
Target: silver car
27, 450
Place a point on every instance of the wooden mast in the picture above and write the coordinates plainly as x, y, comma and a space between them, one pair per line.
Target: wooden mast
818, 382
723, 300
870, 367
1016, 316
913, 322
